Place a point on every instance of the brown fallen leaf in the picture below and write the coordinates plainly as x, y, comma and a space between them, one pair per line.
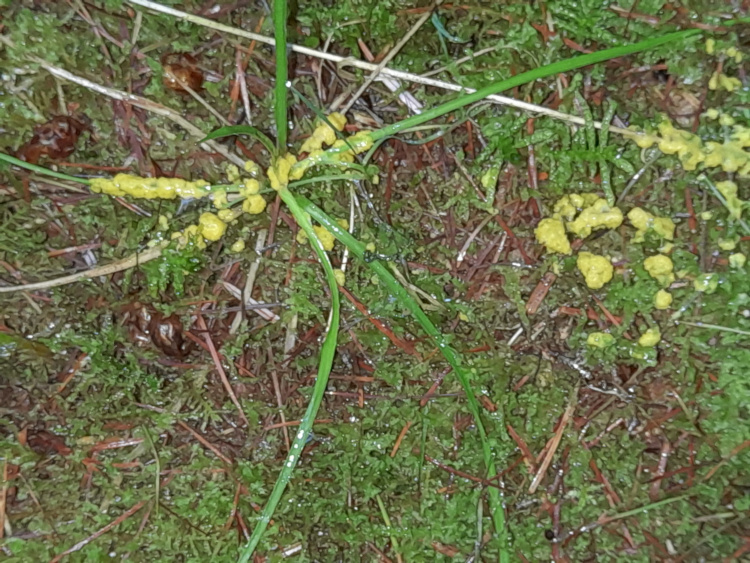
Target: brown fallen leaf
180, 70
55, 139
44, 442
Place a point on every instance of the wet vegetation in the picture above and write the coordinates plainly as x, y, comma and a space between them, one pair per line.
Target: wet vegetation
146, 413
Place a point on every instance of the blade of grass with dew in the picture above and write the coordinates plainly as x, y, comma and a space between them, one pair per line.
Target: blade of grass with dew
450, 354
325, 363
328, 350
248, 130
280, 89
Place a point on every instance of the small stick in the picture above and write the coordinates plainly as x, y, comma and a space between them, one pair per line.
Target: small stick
220, 369
406, 76
389, 57
118, 266
400, 438
555, 442
116, 522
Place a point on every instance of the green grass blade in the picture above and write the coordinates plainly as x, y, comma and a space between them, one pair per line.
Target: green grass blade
450, 354
531, 75
280, 90
523, 78
324, 369
248, 130
40, 169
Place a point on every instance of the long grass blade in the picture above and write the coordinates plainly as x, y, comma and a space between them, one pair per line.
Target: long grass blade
280, 91
450, 354
535, 74
324, 369
40, 169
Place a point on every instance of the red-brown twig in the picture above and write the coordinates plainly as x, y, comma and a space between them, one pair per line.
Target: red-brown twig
116, 522
220, 369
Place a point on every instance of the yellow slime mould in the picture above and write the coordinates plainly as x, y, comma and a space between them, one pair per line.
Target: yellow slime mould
712, 113
191, 234
340, 276
720, 81
662, 300
687, 146
729, 155
228, 215
278, 173
710, 46
219, 199
551, 233
150, 188
346, 156
326, 238
237, 246
597, 270
729, 190
737, 260
249, 187
650, 338
569, 205
251, 168
233, 174
598, 216
211, 227
254, 204
728, 243
735, 54
600, 340
324, 134
660, 268
642, 220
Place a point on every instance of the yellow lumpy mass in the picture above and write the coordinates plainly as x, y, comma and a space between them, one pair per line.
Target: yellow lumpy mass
596, 270
660, 268
249, 187
254, 204
324, 134
737, 260
569, 205
150, 188
687, 146
662, 299
642, 220
551, 233
340, 276
600, 339
729, 155
720, 81
211, 227
650, 338
278, 173
729, 190
326, 238
599, 215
